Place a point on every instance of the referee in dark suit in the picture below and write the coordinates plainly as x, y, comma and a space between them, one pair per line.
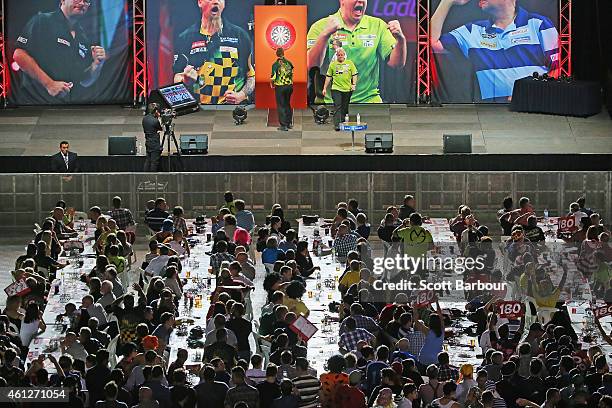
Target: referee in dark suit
64, 161
152, 127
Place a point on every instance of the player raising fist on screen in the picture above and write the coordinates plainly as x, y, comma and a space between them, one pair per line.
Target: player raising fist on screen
368, 41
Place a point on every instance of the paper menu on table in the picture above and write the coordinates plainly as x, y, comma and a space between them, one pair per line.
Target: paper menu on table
303, 328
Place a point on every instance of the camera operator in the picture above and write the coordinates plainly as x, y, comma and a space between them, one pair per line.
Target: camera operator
152, 127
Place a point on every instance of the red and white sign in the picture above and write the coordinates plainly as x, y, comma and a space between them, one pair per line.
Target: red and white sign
280, 34
425, 298
567, 224
603, 311
303, 328
511, 309
18, 288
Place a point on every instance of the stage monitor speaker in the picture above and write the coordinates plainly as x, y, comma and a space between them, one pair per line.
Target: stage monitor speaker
379, 142
121, 145
194, 144
457, 144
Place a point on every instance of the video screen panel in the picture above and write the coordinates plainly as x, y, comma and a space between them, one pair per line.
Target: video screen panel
482, 46
68, 51
379, 37
207, 45
177, 96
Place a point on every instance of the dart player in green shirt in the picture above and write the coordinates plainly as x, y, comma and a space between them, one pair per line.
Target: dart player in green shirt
368, 41
281, 80
342, 75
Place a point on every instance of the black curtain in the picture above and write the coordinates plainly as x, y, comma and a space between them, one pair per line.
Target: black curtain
591, 39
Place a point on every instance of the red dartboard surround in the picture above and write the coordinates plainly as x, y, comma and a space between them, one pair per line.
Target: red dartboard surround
280, 34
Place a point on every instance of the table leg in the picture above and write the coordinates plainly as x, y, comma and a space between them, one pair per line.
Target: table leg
353, 140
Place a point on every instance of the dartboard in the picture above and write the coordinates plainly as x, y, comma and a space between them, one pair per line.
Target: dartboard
280, 34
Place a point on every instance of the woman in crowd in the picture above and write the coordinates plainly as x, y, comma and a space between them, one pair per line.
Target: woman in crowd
172, 281
178, 219
434, 335
272, 253
304, 261
465, 383
32, 324
102, 230
126, 248
295, 290
178, 243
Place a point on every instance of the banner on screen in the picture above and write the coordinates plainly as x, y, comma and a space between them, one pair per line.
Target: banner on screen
482, 46
377, 35
68, 51
205, 44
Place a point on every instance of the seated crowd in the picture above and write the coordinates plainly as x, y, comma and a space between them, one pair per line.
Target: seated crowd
115, 350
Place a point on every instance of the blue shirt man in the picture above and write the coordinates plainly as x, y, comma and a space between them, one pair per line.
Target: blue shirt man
512, 44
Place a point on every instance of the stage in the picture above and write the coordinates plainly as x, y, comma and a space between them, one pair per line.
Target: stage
416, 130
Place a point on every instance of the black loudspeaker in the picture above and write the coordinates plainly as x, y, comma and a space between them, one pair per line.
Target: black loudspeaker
379, 142
121, 145
457, 144
194, 144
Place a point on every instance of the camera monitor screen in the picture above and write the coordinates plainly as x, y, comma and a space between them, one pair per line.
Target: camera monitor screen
177, 96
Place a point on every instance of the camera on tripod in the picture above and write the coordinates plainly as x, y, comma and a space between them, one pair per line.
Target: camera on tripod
167, 116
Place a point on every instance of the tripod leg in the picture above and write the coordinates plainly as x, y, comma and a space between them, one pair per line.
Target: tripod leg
178, 152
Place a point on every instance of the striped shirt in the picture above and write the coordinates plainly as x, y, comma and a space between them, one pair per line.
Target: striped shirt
501, 56
308, 387
498, 402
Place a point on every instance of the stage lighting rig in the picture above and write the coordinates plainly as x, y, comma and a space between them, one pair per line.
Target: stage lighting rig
536, 76
321, 114
239, 114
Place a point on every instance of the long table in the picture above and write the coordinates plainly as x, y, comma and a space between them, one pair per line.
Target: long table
575, 98
461, 347
69, 289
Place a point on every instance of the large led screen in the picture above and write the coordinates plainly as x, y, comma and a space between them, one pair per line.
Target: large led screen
378, 36
68, 51
205, 44
482, 47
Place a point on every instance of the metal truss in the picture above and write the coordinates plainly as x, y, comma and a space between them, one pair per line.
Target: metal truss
423, 59
140, 51
565, 37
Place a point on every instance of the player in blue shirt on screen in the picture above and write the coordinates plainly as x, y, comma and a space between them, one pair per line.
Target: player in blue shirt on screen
512, 44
